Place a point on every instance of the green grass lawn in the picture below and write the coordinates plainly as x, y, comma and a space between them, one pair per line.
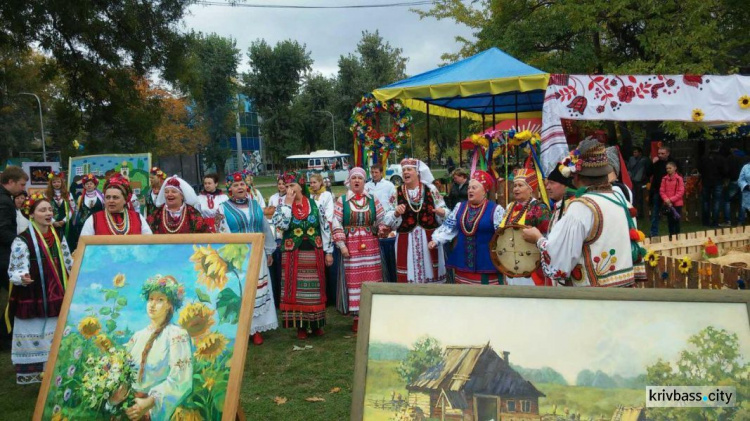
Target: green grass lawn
587, 401
271, 370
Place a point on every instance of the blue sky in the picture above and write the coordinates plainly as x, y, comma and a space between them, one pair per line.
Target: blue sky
138, 262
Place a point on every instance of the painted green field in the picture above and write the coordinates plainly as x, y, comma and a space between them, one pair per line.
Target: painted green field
383, 380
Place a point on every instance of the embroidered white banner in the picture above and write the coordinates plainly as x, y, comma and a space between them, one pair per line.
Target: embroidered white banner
638, 98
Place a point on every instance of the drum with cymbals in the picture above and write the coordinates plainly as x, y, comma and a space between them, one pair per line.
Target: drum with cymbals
511, 254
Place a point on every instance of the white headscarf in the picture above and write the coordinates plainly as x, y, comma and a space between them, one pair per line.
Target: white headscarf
425, 175
187, 192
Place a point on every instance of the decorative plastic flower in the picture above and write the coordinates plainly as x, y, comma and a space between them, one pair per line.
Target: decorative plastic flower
212, 269
119, 280
211, 346
652, 258
89, 327
196, 318
744, 101
698, 114
685, 265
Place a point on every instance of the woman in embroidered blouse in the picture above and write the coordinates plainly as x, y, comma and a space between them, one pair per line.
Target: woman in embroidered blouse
22, 223
63, 205
325, 201
116, 218
528, 211
242, 214
162, 352
306, 250
175, 212
210, 200
357, 219
474, 222
39, 264
90, 202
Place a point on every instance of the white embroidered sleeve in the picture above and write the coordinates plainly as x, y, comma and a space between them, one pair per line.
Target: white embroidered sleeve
269, 241
67, 257
179, 382
439, 203
497, 216
19, 261
88, 226
562, 251
282, 217
145, 228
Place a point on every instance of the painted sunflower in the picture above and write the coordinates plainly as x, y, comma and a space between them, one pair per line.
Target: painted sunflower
211, 346
652, 258
89, 327
211, 268
744, 101
119, 280
685, 265
102, 342
698, 114
196, 318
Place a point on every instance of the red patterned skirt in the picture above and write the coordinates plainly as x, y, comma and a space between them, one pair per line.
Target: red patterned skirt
473, 278
364, 265
303, 299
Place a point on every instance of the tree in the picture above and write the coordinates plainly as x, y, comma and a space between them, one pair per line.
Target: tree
311, 125
425, 353
275, 76
212, 63
101, 48
713, 358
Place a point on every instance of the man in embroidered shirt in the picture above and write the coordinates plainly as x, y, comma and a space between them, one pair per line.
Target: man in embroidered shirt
384, 191
419, 210
591, 244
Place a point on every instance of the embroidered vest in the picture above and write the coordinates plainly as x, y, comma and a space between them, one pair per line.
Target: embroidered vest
150, 204
361, 219
304, 234
472, 254
239, 222
28, 302
425, 218
101, 227
83, 212
606, 259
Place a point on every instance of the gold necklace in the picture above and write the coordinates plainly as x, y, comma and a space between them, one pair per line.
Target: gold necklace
165, 220
408, 198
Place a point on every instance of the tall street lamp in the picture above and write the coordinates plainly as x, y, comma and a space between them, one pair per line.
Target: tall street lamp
41, 123
333, 128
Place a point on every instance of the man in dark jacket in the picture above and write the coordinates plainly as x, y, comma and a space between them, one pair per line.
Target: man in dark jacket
656, 171
12, 182
459, 189
637, 170
713, 172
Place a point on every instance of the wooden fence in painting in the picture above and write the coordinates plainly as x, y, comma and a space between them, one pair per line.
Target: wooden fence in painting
702, 275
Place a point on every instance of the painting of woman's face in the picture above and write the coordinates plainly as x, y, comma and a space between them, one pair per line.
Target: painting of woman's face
158, 306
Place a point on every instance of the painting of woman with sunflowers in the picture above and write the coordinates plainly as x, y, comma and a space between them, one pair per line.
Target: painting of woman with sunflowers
151, 329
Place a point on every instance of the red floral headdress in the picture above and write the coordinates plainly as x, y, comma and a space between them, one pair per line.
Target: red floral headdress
53, 175
484, 178
30, 201
159, 173
119, 182
234, 178
90, 178
528, 176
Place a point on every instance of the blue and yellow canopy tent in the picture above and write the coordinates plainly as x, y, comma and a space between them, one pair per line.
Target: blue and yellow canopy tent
490, 83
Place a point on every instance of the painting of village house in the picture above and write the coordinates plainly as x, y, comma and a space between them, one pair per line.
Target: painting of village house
454, 356
134, 167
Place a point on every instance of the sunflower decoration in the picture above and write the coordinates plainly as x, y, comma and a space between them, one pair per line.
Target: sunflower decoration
211, 346
119, 280
698, 115
744, 102
211, 268
196, 318
652, 258
89, 327
103, 342
186, 414
685, 265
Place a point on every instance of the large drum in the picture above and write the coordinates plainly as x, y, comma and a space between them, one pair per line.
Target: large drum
511, 254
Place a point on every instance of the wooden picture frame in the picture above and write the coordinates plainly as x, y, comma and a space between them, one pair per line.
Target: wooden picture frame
470, 321
205, 291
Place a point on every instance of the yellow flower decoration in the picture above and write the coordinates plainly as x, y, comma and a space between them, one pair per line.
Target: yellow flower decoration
89, 327
744, 101
298, 232
119, 280
102, 342
480, 140
185, 414
652, 258
698, 114
311, 231
211, 346
685, 265
212, 269
196, 318
523, 136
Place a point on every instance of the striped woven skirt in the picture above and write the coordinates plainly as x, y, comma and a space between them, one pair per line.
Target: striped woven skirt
473, 278
303, 300
363, 265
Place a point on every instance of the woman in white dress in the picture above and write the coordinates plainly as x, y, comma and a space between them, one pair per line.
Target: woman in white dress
39, 264
162, 352
240, 214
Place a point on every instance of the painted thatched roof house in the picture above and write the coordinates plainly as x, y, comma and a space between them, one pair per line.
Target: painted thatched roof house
474, 383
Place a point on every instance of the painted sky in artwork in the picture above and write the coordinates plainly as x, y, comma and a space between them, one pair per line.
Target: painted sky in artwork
617, 337
138, 263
